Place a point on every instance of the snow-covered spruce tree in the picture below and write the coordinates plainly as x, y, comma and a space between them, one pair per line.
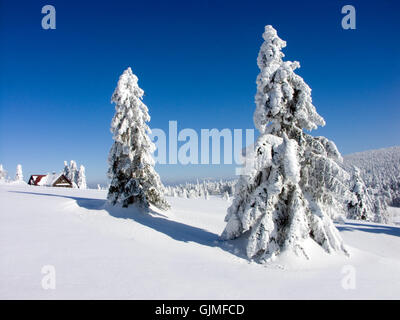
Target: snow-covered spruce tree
18, 174
381, 213
3, 173
285, 199
226, 196
73, 173
81, 180
184, 193
132, 174
66, 170
361, 206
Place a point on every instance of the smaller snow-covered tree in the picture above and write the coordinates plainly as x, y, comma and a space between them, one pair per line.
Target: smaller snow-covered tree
3, 173
366, 203
380, 172
19, 175
360, 206
132, 174
66, 171
192, 194
81, 180
184, 193
226, 196
200, 192
381, 210
73, 173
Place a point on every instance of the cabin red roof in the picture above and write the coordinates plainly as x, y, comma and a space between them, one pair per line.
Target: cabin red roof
35, 179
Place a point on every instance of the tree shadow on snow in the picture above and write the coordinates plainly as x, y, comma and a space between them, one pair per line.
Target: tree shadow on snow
372, 228
154, 220
88, 203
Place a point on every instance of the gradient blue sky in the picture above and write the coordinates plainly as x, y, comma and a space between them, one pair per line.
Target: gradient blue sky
196, 61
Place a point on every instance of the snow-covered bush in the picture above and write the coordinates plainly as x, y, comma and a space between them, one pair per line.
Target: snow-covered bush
131, 166
287, 198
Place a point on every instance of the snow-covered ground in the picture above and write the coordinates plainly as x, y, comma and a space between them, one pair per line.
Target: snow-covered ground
103, 253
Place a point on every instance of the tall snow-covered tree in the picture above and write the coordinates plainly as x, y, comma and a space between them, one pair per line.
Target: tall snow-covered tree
132, 174
361, 206
81, 178
18, 174
286, 199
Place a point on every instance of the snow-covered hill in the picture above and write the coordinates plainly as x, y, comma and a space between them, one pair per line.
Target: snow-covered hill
380, 169
98, 252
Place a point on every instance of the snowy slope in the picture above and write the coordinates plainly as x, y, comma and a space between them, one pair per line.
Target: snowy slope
104, 253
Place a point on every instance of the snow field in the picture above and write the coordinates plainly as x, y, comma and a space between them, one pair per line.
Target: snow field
106, 253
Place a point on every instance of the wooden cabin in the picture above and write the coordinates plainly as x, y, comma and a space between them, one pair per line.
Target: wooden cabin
50, 180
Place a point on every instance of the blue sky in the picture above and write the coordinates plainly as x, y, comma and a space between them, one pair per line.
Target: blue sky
196, 61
